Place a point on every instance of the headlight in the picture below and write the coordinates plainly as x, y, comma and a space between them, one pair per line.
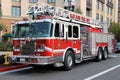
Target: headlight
40, 48
17, 50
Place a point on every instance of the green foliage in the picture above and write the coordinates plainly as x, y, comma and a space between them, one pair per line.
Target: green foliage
5, 46
1, 26
0, 12
115, 29
78, 10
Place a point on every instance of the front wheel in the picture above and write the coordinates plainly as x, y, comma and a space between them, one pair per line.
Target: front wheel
68, 61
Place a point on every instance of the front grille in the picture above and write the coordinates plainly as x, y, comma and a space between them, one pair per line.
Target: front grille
28, 48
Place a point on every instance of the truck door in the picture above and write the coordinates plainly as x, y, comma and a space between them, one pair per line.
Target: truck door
58, 44
76, 38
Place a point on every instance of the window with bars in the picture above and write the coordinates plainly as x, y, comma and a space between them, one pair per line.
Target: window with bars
110, 11
107, 10
33, 1
16, 11
16, 0
102, 6
69, 0
97, 16
97, 4
101, 18
51, 1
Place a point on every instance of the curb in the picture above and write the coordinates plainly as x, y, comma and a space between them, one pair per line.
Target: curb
13, 67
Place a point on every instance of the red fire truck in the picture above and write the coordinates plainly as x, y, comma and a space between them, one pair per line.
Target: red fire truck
59, 37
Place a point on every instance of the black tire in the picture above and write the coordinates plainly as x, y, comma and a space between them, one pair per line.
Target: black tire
99, 55
68, 61
105, 54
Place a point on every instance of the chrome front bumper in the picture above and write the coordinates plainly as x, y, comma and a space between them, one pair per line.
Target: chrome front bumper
40, 60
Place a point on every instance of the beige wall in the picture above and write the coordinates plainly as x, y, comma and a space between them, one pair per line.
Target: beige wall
7, 25
23, 6
94, 9
59, 3
115, 15
83, 7
6, 7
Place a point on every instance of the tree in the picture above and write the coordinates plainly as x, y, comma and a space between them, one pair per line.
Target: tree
115, 29
78, 10
0, 13
1, 26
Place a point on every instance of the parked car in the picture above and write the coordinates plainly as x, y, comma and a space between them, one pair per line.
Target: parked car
117, 47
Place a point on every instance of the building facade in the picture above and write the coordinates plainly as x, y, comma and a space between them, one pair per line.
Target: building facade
102, 10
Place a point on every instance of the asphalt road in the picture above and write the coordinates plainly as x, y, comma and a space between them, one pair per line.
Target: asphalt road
89, 70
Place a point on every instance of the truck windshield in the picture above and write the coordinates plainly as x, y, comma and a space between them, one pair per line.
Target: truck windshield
37, 29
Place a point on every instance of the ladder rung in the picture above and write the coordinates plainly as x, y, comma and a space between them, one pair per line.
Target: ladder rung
42, 9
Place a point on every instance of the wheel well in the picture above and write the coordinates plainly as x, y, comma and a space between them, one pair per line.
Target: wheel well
72, 51
106, 48
103, 48
68, 50
100, 48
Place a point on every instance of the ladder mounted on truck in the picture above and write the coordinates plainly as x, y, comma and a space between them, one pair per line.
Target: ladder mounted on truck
41, 9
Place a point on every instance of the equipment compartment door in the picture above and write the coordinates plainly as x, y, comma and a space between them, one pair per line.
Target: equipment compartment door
85, 42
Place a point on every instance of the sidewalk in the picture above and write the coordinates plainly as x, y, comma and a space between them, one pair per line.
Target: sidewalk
8, 67
3, 52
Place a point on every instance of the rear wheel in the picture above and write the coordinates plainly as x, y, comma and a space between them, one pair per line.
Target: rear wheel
68, 60
99, 55
105, 54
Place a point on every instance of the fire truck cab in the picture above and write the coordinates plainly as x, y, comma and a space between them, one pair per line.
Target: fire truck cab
62, 40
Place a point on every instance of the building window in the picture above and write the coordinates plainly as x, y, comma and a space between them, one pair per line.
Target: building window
51, 1
101, 18
110, 11
88, 13
16, 11
110, 0
97, 16
108, 21
102, 7
33, 1
16, 0
0, 11
69, 0
97, 4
